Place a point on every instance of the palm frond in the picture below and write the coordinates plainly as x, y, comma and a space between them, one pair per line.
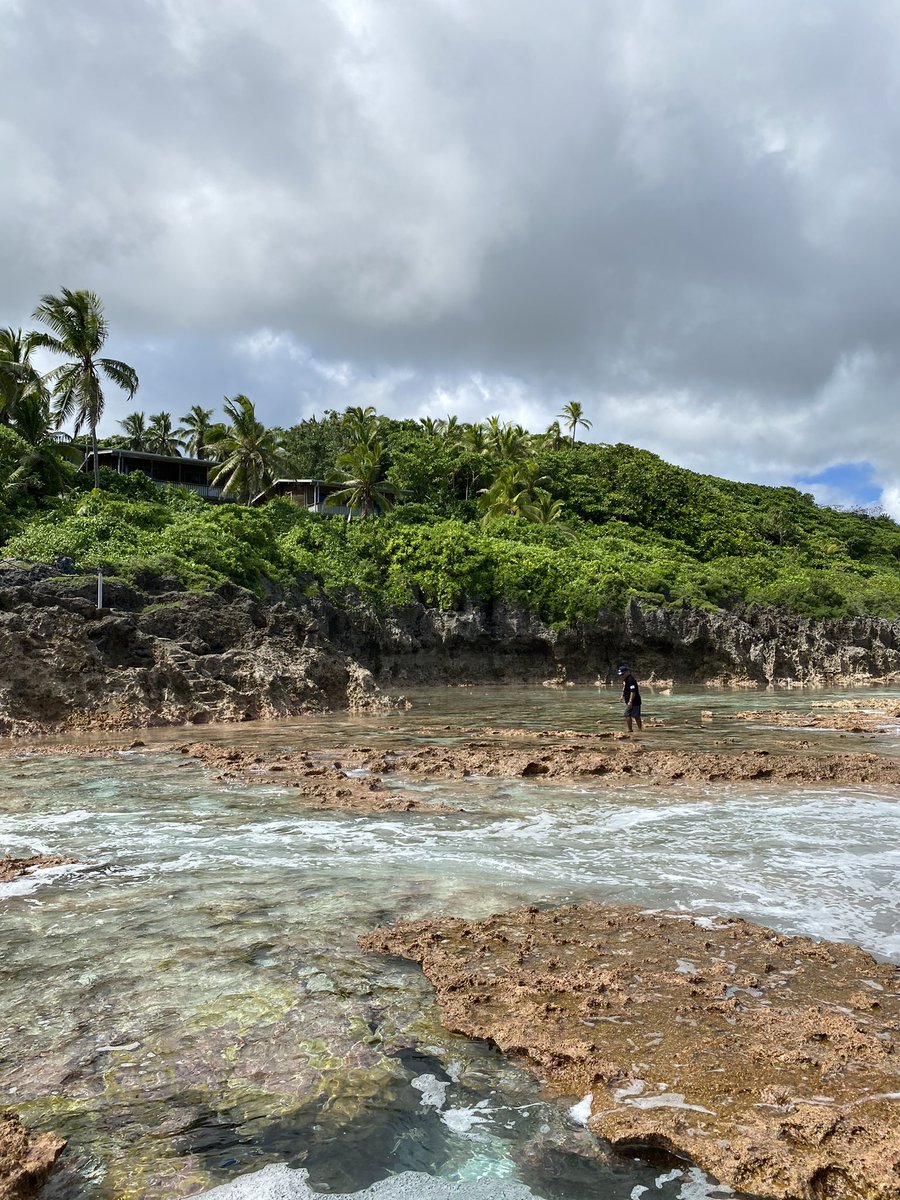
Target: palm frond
121, 374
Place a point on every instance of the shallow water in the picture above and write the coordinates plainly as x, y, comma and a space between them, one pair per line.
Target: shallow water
193, 1005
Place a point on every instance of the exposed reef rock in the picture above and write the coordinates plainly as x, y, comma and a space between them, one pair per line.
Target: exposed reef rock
773, 1062
13, 868
159, 655
616, 765
850, 716
25, 1158
352, 778
322, 783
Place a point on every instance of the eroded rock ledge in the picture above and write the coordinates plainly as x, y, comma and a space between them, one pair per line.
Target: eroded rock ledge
25, 1158
772, 1061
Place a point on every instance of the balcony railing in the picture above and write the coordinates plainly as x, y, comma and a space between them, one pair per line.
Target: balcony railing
332, 510
202, 489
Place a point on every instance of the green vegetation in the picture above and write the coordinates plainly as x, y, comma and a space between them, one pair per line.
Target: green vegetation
440, 512
612, 523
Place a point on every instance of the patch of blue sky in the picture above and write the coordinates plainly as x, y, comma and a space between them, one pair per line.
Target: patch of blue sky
842, 485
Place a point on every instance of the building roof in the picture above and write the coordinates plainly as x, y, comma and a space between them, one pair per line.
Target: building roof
148, 457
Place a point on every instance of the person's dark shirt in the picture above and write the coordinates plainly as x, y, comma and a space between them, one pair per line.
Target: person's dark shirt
631, 693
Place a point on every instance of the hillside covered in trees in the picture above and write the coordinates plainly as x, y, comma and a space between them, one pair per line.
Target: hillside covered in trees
483, 513
438, 511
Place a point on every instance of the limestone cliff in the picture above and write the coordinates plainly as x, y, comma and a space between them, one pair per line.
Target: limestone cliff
158, 655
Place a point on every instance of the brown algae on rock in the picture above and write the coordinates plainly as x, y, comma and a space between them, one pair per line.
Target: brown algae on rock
772, 1061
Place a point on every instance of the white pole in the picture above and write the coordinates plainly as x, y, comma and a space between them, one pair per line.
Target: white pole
99, 589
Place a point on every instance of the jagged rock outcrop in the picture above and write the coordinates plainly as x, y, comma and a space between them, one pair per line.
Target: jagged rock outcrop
159, 655
171, 659
680, 644
26, 1159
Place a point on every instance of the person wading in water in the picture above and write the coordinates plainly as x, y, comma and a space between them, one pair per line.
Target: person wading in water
631, 697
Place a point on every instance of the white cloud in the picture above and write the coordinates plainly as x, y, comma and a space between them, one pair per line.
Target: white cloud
890, 501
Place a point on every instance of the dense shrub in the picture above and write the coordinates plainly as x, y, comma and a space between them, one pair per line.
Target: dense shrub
635, 527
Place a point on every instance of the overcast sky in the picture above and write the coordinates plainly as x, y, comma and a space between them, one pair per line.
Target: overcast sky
684, 215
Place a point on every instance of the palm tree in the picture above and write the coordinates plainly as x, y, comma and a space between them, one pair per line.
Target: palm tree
474, 438
431, 426
47, 465
366, 488
247, 451
506, 497
361, 426
513, 492
135, 431
18, 376
79, 333
573, 415
511, 443
544, 509
492, 427
553, 438
194, 430
161, 437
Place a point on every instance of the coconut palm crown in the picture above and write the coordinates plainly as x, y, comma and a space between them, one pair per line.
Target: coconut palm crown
246, 450
573, 416
366, 491
134, 431
19, 378
78, 333
161, 438
195, 429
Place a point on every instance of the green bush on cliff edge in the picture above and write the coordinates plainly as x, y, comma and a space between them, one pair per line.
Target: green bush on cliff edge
634, 527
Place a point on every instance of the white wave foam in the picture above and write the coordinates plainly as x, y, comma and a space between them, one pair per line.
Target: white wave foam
697, 1187
434, 1090
464, 1120
26, 884
581, 1112
75, 817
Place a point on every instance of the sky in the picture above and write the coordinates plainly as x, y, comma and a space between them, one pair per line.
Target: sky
686, 216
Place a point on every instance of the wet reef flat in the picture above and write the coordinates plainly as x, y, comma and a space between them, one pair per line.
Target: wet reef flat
850, 716
187, 1003
615, 766
322, 783
159, 655
772, 1061
352, 778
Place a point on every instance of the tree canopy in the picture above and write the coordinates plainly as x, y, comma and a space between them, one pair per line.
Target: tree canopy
449, 512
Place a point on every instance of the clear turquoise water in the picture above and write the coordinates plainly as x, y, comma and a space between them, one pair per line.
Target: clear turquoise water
193, 1005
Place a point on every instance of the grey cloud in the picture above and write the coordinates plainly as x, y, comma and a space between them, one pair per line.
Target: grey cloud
687, 217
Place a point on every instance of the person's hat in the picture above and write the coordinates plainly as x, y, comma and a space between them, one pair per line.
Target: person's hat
622, 671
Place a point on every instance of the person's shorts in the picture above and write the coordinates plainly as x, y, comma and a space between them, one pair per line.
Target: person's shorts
635, 710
